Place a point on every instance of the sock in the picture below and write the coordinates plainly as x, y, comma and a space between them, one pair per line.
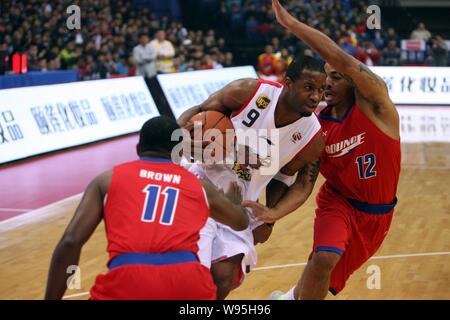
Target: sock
288, 295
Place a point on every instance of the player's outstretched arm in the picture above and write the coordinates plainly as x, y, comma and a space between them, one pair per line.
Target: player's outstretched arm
223, 209
368, 84
86, 219
275, 191
230, 98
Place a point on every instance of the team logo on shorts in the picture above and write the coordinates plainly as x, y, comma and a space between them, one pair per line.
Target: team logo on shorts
296, 136
242, 172
263, 101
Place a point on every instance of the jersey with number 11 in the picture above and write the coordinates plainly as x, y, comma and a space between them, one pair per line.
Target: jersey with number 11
154, 206
359, 160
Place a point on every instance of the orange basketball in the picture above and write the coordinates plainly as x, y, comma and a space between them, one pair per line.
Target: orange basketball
210, 120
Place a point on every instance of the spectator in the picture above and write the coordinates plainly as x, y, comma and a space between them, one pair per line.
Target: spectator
267, 63
391, 35
164, 52
368, 54
439, 52
421, 33
33, 59
228, 60
144, 56
207, 63
391, 54
83, 69
346, 44
68, 56
284, 59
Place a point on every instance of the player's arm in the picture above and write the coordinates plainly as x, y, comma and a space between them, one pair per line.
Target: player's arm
225, 210
369, 85
230, 98
84, 222
275, 190
307, 165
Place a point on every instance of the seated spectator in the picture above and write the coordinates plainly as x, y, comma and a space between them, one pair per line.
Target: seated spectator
251, 29
391, 54
207, 63
421, 33
439, 52
346, 44
83, 69
267, 63
121, 65
228, 60
68, 56
368, 54
391, 35
33, 59
284, 59
164, 52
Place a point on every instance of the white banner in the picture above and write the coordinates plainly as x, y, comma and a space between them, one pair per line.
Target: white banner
424, 124
40, 119
417, 85
187, 89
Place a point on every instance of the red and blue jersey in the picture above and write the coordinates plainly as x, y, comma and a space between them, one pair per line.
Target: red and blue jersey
360, 161
154, 206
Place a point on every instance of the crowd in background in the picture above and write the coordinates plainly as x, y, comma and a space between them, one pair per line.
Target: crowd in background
117, 40
344, 21
114, 40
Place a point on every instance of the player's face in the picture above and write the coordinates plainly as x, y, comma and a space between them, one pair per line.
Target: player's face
306, 93
338, 89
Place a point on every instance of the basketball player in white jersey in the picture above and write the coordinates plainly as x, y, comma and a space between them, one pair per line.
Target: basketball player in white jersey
282, 116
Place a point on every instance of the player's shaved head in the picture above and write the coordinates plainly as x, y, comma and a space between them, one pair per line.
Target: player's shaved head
156, 135
295, 69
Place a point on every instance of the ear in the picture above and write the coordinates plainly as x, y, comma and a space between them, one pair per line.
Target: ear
138, 150
287, 82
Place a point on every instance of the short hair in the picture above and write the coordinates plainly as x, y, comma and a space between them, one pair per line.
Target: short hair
299, 64
156, 134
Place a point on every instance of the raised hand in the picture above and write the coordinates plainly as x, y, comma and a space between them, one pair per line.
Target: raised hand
283, 17
261, 212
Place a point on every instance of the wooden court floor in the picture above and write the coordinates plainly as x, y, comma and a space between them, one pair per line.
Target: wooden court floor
414, 261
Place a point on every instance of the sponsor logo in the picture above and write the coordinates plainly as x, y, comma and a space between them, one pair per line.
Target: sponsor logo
263, 101
344, 147
296, 136
242, 172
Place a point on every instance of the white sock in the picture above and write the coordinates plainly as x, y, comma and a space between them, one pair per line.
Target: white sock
288, 295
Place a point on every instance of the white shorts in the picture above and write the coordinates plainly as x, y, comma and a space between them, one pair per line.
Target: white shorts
219, 242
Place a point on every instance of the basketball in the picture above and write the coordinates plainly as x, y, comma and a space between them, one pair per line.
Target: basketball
210, 120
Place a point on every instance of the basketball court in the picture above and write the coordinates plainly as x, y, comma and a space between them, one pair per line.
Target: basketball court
413, 263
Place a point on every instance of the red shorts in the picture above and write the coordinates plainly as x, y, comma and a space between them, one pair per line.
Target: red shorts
182, 281
353, 234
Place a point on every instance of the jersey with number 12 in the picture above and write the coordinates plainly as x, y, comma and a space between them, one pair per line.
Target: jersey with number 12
154, 207
359, 160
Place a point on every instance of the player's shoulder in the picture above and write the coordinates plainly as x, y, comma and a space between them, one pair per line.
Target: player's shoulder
244, 84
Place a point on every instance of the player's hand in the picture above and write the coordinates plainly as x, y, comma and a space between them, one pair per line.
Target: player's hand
283, 17
261, 212
234, 193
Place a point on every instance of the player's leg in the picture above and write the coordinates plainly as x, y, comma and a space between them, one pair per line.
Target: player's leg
331, 233
315, 281
226, 275
205, 244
